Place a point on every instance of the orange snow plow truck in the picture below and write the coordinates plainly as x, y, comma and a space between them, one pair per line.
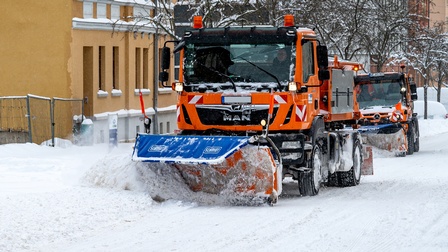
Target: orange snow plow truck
386, 102
257, 104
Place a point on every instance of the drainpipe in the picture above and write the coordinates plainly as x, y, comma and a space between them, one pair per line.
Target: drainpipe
155, 92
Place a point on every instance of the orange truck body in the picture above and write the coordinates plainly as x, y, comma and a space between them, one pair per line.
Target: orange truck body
303, 123
388, 121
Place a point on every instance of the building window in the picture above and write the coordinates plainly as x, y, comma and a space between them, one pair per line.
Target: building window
161, 128
115, 67
145, 68
101, 10
101, 68
137, 68
168, 128
115, 12
176, 73
87, 10
139, 13
176, 66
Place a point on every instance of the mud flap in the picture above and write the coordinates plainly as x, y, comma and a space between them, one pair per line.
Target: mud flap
214, 164
367, 164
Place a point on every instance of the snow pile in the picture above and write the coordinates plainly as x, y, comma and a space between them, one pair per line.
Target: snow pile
116, 170
432, 95
436, 110
160, 181
432, 127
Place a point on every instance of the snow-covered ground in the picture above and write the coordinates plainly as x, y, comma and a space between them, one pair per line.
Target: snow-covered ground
90, 198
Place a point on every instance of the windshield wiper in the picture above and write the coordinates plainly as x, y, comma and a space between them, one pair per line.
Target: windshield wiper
220, 74
264, 71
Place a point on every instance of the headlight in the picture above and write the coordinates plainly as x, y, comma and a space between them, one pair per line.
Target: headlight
178, 86
396, 116
292, 86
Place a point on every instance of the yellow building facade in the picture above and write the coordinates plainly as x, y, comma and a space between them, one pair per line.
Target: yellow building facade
96, 50
439, 12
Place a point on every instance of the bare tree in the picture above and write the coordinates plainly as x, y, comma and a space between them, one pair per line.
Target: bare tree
440, 68
387, 28
221, 13
375, 29
162, 18
424, 51
338, 23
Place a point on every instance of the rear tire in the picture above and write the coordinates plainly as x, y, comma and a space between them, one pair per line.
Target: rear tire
416, 135
333, 179
309, 180
353, 176
411, 139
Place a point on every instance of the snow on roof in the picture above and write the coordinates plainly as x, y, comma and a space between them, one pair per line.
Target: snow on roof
139, 2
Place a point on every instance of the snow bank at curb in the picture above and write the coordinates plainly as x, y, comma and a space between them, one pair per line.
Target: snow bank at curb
432, 127
119, 172
115, 171
161, 181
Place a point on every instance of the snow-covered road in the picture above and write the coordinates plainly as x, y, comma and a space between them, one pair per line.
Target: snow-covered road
90, 199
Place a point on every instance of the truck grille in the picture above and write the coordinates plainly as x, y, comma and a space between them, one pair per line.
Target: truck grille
233, 114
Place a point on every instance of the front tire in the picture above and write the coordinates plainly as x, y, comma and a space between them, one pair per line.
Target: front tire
411, 139
310, 180
353, 176
416, 135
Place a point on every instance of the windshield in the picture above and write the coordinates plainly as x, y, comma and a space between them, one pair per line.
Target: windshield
384, 93
253, 67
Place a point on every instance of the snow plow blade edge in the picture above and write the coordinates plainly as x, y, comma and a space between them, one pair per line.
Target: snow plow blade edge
386, 137
214, 164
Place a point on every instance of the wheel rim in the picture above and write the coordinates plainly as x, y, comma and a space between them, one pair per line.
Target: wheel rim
357, 163
317, 165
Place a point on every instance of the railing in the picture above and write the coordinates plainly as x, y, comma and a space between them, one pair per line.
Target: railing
38, 119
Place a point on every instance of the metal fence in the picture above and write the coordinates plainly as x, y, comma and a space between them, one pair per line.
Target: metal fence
38, 119
67, 114
13, 120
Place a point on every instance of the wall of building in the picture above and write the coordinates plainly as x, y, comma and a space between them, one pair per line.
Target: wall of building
438, 11
34, 51
53, 49
111, 64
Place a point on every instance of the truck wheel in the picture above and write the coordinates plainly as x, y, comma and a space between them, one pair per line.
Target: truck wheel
411, 139
416, 136
333, 179
309, 180
353, 176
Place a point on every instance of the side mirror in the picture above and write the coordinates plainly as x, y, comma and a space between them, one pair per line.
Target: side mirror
322, 57
165, 64
163, 76
322, 62
324, 75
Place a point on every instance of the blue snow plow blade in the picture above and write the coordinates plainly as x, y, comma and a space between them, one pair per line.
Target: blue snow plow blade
186, 149
373, 129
